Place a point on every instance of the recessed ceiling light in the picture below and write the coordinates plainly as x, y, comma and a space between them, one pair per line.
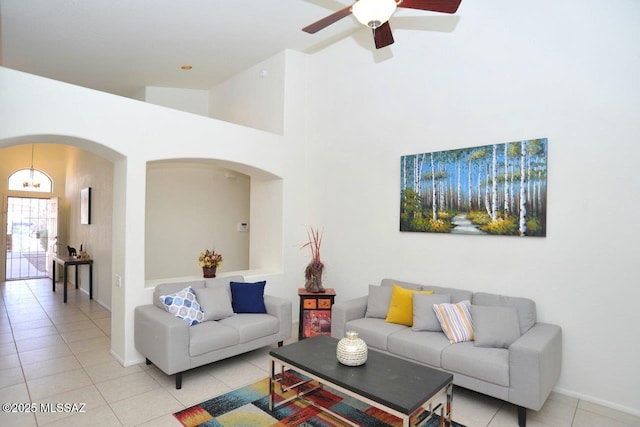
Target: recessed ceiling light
186, 67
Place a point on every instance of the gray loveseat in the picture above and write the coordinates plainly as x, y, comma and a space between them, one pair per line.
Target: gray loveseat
515, 360
174, 346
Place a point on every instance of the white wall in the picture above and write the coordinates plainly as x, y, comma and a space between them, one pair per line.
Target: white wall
132, 133
85, 169
194, 101
253, 98
509, 71
191, 207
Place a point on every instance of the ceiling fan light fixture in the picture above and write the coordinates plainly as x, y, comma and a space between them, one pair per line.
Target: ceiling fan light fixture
373, 13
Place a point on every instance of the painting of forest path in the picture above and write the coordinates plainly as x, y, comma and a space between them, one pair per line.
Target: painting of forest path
498, 189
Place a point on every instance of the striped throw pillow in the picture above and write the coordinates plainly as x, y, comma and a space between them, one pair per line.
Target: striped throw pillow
455, 320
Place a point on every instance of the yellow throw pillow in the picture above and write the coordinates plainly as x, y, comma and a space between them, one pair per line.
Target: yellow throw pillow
401, 305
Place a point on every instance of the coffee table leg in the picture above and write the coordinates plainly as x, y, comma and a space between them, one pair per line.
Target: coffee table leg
271, 380
447, 416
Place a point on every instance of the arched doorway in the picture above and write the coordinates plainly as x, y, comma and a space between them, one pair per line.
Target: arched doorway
71, 164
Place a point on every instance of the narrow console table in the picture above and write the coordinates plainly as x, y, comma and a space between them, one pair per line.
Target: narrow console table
65, 261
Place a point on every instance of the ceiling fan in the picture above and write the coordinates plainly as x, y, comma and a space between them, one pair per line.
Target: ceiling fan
375, 14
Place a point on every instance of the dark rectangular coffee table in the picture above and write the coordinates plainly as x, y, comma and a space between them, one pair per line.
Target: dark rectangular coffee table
395, 385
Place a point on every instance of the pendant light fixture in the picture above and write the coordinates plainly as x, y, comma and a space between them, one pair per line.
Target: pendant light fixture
31, 182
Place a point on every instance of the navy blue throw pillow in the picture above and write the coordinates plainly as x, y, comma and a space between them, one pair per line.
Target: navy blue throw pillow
248, 297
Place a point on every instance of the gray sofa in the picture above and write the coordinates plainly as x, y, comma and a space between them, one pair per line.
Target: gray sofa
521, 370
174, 346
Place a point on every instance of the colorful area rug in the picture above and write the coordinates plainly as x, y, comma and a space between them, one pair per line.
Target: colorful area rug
249, 406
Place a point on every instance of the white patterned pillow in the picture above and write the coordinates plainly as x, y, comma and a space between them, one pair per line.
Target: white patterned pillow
184, 305
455, 320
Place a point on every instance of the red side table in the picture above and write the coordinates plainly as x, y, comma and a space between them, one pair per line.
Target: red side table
315, 313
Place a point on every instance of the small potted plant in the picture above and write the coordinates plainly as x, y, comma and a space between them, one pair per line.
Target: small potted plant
209, 261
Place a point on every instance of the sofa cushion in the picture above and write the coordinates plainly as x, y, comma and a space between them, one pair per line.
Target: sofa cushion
251, 326
184, 305
248, 297
494, 326
401, 305
378, 301
215, 303
211, 336
222, 282
424, 318
423, 347
525, 307
172, 288
406, 285
457, 295
455, 320
375, 332
486, 364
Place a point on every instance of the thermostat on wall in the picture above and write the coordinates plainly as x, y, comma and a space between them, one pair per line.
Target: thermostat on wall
243, 226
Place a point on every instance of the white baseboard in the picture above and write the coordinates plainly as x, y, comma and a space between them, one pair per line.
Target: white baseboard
117, 357
86, 292
129, 363
601, 402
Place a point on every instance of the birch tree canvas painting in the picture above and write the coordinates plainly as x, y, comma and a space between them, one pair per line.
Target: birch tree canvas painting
498, 189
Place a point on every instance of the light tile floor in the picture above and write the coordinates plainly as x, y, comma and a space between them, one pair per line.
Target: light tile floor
56, 353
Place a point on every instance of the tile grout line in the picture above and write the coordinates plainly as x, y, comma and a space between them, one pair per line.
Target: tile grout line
93, 383
59, 333
24, 377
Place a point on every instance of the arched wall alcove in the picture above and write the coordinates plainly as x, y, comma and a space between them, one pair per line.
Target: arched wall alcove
193, 204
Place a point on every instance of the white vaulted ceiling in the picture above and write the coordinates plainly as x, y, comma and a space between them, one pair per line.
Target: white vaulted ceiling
120, 46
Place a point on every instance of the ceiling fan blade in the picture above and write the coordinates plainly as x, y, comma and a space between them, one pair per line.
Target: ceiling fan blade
383, 36
443, 6
328, 20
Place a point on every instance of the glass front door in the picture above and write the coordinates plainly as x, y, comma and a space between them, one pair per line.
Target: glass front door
27, 237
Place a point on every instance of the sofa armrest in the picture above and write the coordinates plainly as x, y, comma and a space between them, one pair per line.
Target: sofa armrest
344, 311
280, 308
162, 338
535, 361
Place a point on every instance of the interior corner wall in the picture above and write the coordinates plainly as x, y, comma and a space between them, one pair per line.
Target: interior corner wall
267, 218
567, 71
254, 97
120, 313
